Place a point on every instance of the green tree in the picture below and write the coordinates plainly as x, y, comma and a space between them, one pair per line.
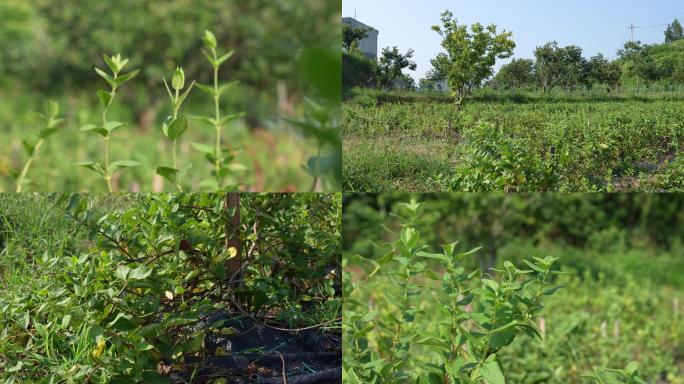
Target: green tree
636, 60
674, 32
470, 54
572, 66
392, 63
352, 36
517, 73
548, 64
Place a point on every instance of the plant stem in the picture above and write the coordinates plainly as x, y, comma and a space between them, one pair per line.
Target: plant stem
318, 168
24, 171
108, 176
176, 107
217, 162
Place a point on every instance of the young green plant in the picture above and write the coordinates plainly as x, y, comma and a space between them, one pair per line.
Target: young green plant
52, 121
175, 126
220, 158
463, 326
629, 375
116, 64
320, 124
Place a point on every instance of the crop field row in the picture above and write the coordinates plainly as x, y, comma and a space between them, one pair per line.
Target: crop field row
420, 144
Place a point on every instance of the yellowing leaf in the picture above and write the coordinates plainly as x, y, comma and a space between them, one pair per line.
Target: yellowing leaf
99, 348
169, 295
220, 352
232, 252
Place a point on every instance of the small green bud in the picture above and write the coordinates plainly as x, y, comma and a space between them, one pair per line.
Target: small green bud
209, 40
178, 81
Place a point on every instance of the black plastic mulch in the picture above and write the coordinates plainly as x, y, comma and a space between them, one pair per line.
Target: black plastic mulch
258, 354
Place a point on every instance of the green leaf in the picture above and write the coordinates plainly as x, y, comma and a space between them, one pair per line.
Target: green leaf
437, 256
113, 125
553, 290
204, 148
491, 371
119, 81
319, 166
105, 76
631, 368
111, 64
228, 118
95, 128
122, 272
207, 120
140, 273
46, 132
224, 58
66, 321
177, 127
223, 88
121, 164
185, 94
170, 174
534, 266
92, 166
29, 147
180, 321
209, 90
122, 322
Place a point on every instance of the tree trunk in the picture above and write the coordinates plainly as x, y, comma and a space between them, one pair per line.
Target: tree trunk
232, 228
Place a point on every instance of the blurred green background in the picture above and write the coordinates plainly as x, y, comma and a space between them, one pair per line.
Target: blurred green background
48, 50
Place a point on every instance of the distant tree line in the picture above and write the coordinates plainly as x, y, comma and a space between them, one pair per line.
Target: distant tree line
566, 68
470, 54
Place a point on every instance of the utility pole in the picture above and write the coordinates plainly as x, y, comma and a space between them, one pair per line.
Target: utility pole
632, 27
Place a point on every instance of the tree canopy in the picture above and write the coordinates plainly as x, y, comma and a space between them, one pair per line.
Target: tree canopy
470, 53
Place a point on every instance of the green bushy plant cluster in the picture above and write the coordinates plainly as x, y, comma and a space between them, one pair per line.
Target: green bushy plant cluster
492, 160
129, 279
399, 326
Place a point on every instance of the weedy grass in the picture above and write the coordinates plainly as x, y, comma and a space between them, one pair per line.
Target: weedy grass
508, 143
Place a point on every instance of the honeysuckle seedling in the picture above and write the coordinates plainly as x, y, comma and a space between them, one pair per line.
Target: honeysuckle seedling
175, 126
116, 64
220, 158
473, 315
321, 126
629, 375
31, 147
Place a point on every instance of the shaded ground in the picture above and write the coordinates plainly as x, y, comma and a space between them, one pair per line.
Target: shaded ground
252, 353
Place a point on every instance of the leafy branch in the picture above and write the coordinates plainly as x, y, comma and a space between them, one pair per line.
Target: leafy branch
116, 64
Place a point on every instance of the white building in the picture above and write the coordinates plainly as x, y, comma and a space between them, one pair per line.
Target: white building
369, 45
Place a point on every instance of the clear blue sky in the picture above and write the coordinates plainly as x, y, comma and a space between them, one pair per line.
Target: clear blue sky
597, 26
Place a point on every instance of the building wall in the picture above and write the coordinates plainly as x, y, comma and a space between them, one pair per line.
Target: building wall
369, 45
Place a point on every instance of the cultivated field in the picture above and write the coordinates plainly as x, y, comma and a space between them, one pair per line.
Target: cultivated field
506, 142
